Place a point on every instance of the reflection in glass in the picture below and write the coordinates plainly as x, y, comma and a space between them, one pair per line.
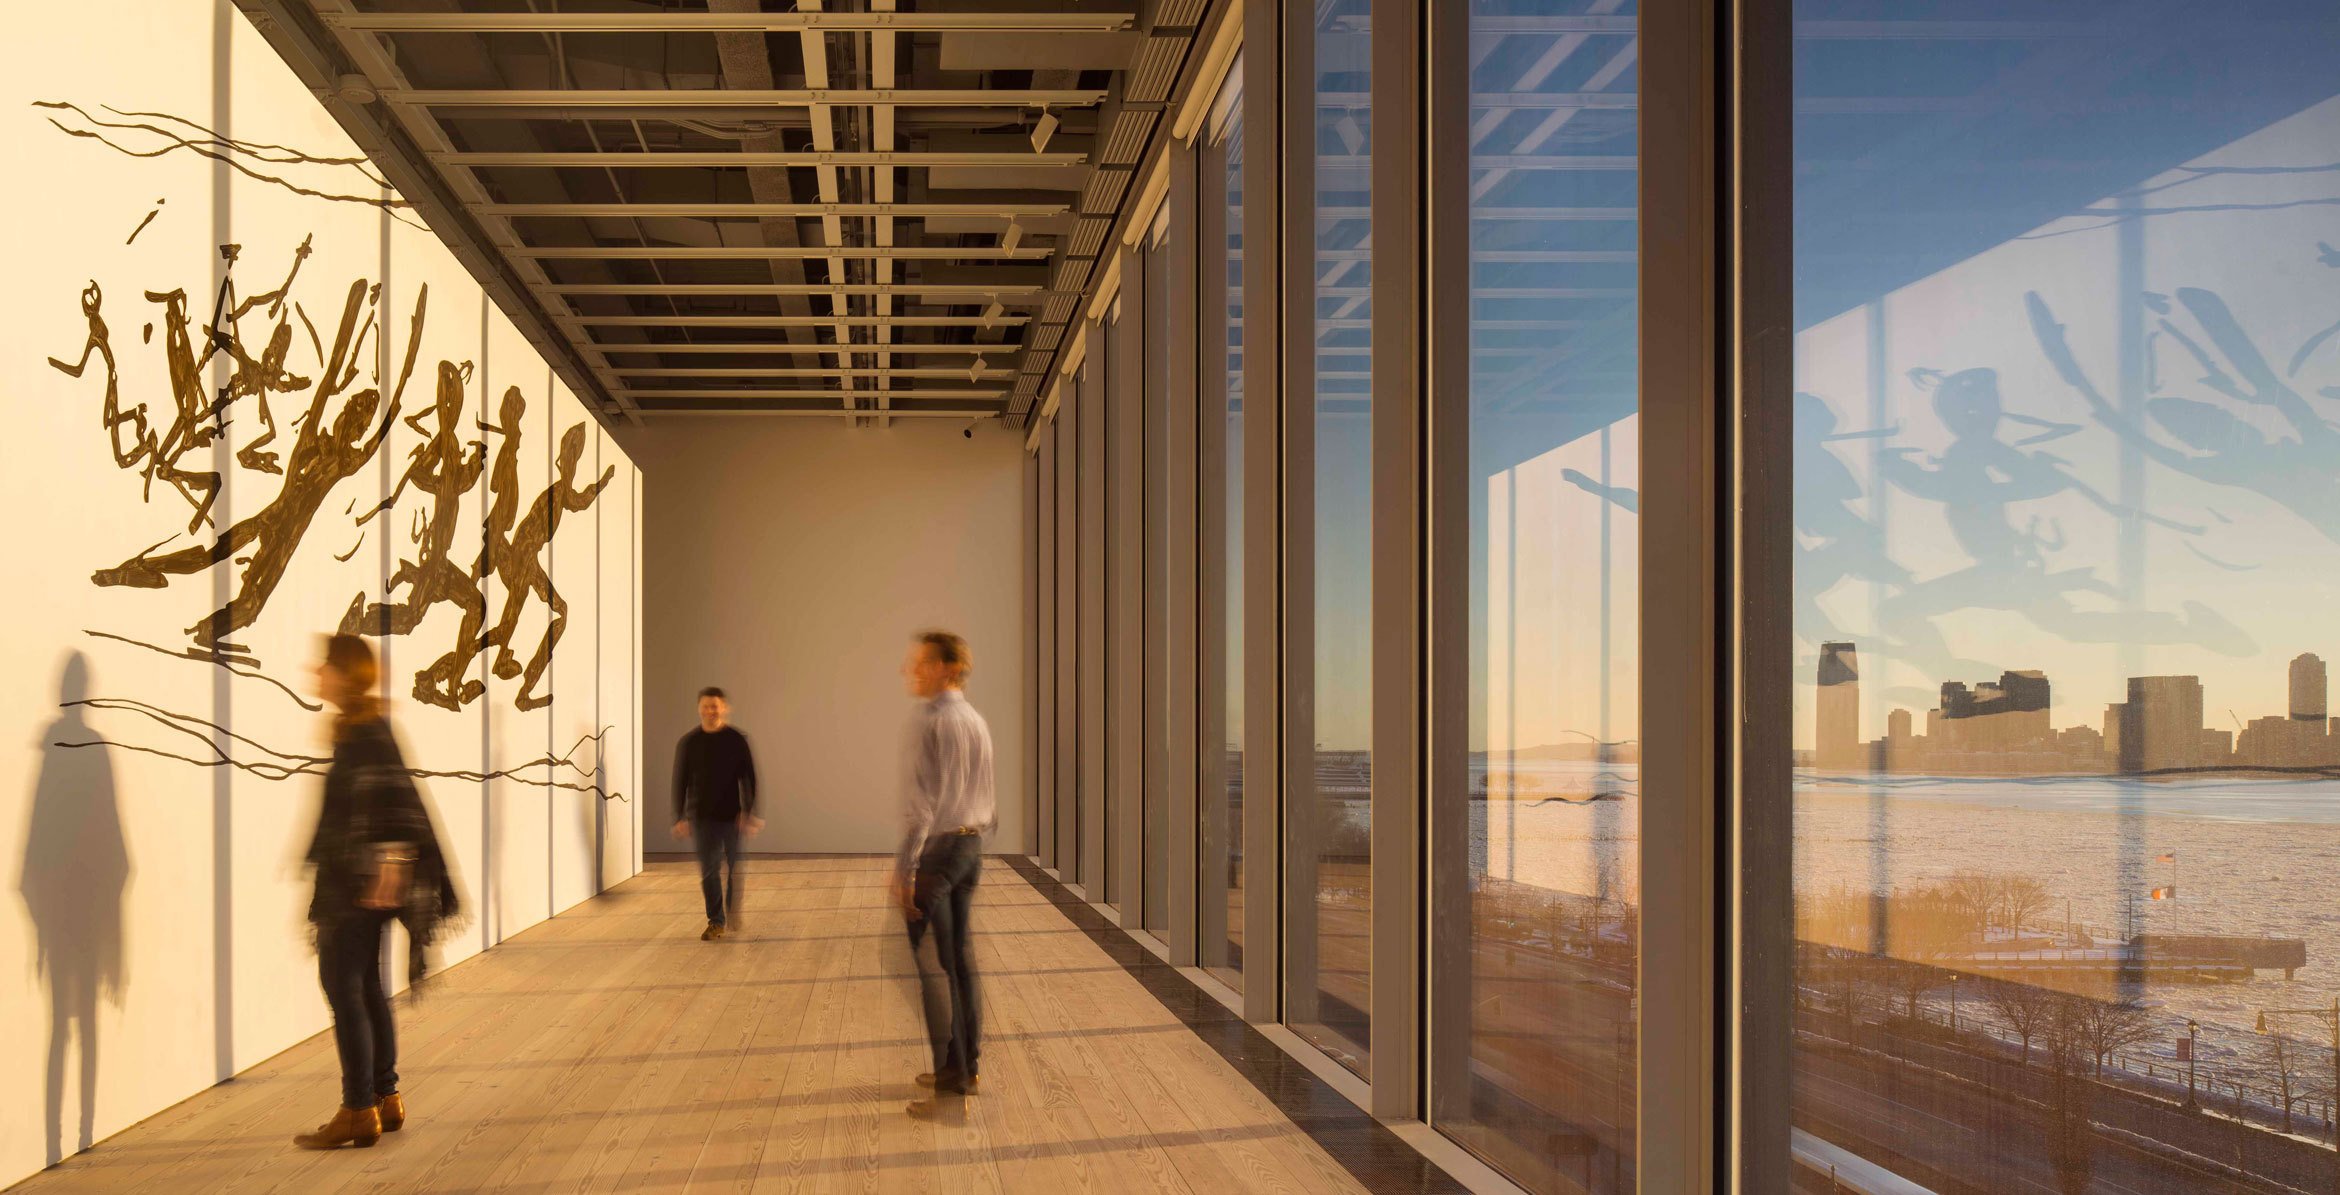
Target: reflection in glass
1066, 814
1543, 1088
1330, 824
1044, 716
2067, 506
1154, 343
1221, 933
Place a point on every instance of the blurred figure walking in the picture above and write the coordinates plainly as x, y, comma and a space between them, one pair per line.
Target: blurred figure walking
376, 859
714, 804
948, 806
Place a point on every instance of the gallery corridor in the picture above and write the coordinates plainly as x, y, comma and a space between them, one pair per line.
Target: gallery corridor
610, 1050
1533, 597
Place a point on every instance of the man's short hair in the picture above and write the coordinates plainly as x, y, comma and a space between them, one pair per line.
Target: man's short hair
951, 652
712, 691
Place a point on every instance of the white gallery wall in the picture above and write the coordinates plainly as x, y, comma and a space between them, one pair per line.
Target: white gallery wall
252, 400
788, 561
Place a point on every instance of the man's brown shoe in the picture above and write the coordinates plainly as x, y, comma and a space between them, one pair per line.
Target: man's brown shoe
967, 1088
712, 932
360, 1127
392, 1109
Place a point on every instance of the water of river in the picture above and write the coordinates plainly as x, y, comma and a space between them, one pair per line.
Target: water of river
2254, 857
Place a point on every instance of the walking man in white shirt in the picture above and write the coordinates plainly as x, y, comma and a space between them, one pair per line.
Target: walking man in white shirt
948, 806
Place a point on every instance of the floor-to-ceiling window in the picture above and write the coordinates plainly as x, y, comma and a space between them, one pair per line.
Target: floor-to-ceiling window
1045, 692
1220, 862
1328, 819
1154, 412
1536, 1067
2067, 524
1089, 387
1065, 428
1154, 339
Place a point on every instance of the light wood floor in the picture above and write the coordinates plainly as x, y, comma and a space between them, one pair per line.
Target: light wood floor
610, 1050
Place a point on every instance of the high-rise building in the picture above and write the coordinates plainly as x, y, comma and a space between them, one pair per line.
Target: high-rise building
2308, 688
1996, 716
1838, 742
2161, 724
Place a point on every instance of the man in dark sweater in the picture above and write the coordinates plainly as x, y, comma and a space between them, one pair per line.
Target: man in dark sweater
715, 803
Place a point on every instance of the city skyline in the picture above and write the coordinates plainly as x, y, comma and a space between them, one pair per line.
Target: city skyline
2007, 726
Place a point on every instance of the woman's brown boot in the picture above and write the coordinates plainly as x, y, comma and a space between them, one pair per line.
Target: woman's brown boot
392, 1109
360, 1127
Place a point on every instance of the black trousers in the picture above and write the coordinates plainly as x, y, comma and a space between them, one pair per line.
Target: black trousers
945, 895
349, 964
718, 847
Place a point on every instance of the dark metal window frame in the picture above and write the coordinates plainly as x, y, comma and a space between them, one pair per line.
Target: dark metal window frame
1714, 365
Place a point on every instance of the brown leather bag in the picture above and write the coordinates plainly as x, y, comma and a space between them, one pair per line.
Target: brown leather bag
393, 866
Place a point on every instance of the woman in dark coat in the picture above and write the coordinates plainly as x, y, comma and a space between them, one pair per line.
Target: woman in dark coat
376, 860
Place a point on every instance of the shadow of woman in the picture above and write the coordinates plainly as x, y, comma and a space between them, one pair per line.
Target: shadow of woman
76, 870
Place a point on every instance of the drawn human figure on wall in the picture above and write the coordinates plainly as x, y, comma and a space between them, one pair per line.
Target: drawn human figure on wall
441, 468
100, 344
321, 458
520, 569
197, 418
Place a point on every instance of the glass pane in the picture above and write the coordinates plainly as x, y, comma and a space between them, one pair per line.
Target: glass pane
1044, 720
1087, 388
1154, 342
1330, 825
1546, 1092
1064, 856
2067, 515
1221, 937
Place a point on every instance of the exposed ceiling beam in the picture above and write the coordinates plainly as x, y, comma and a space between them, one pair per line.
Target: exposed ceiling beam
1495, 100
793, 321
608, 348
834, 394
747, 211
753, 252
723, 97
831, 411
947, 289
374, 63
939, 373
639, 159
702, 22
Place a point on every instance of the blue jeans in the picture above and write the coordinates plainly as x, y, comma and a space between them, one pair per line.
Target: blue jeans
349, 964
717, 843
945, 896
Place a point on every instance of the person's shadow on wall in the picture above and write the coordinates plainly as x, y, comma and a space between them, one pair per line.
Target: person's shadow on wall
76, 869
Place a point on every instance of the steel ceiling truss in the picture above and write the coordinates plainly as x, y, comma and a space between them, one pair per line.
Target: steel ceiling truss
814, 186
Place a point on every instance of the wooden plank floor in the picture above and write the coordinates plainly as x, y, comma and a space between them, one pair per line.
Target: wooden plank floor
610, 1050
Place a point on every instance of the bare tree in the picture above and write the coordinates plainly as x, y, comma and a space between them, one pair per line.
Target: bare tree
2286, 1063
1833, 918
2071, 1135
2020, 899
1848, 980
2106, 1025
1975, 895
2315, 1084
1926, 927
2025, 1009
